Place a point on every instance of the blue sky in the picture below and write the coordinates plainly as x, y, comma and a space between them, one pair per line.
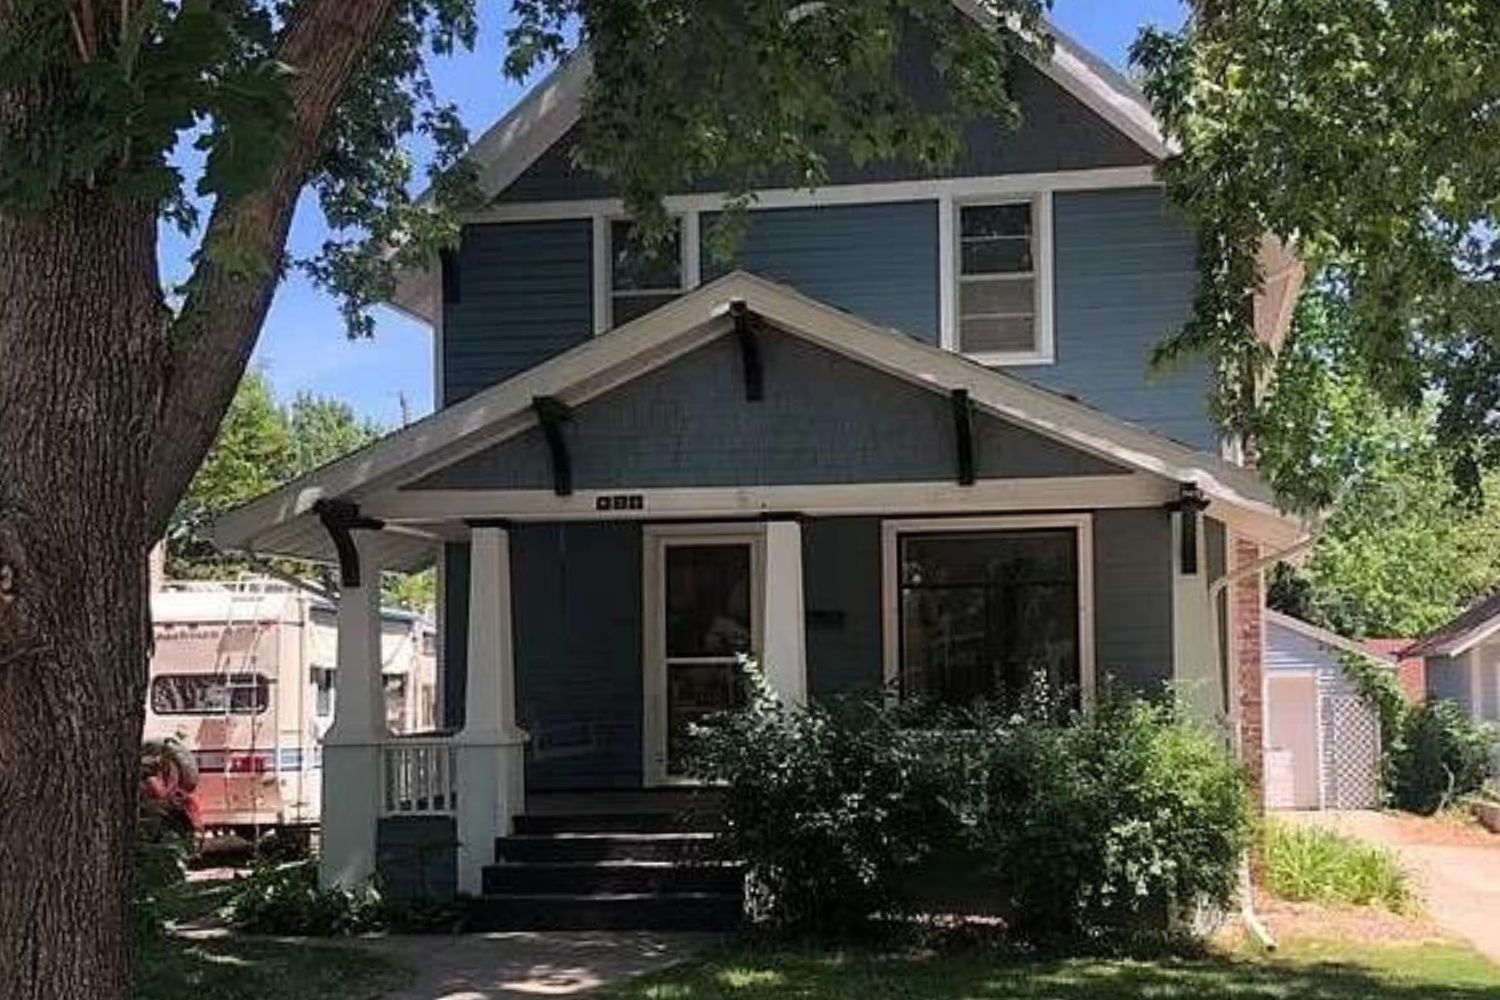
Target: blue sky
303, 346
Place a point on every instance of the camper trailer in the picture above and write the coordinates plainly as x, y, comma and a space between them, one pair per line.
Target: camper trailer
243, 675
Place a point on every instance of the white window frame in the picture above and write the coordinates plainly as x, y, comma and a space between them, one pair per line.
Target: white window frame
690, 264
950, 273
890, 548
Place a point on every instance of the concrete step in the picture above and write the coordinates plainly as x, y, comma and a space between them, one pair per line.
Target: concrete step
596, 877
584, 847
701, 821
608, 911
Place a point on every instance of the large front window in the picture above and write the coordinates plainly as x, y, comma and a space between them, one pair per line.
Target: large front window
984, 613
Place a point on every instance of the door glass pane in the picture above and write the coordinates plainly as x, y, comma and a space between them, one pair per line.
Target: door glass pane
708, 600
695, 692
984, 613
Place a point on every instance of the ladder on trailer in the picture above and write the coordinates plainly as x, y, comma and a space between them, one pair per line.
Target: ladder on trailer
237, 657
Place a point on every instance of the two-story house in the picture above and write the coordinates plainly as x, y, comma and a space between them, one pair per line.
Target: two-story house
906, 441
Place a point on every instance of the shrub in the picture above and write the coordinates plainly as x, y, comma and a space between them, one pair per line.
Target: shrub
1073, 826
1304, 864
1443, 754
287, 899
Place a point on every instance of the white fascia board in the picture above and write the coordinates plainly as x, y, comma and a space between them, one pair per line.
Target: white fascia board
1324, 637
602, 363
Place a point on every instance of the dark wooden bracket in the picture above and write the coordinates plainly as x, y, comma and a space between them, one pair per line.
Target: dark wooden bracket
341, 518
1190, 503
744, 329
963, 436
553, 413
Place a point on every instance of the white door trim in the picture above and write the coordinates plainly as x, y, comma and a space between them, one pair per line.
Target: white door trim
890, 536
656, 539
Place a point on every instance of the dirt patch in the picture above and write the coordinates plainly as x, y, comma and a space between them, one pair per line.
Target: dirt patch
1354, 923
1450, 829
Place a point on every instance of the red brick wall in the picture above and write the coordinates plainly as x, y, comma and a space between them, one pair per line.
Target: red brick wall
1247, 603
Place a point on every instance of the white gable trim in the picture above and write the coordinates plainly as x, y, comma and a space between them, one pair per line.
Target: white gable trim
602, 363
1325, 637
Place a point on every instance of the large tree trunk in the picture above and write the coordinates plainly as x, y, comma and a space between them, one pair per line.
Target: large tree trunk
81, 367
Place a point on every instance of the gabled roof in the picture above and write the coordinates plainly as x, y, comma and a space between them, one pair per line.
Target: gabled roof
1476, 624
509, 147
1327, 638
283, 521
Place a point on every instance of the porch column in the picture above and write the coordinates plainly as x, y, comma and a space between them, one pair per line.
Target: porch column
490, 747
1196, 677
351, 749
784, 656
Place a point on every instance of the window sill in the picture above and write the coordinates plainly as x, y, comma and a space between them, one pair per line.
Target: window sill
1012, 360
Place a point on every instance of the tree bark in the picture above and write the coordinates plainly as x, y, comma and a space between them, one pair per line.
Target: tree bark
107, 407
81, 369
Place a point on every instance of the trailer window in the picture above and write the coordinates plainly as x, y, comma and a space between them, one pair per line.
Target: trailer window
210, 694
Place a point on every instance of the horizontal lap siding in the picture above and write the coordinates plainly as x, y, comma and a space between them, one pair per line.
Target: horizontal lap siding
825, 419
578, 652
1133, 598
1126, 275
525, 294
879, 262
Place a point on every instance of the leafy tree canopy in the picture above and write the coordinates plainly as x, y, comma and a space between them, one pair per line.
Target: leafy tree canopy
1403, 549
1368, 133
683, 89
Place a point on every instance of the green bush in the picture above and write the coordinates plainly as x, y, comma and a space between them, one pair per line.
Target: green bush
1443, 754
1072, 826
287, 899
1304, 864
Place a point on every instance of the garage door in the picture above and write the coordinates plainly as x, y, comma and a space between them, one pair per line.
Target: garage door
1292, 755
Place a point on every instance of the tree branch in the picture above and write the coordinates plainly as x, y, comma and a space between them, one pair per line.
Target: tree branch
325, 42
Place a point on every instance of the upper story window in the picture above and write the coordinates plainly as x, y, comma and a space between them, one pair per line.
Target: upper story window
1002, 270
642, 278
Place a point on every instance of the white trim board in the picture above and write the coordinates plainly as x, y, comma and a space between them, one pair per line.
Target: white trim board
890, 583
505, 410
1324, 637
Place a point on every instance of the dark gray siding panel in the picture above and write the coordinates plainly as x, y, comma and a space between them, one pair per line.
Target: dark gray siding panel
578, 652
824, 419
1057, 133
879, 262
1126, 274
525, 295
455, 637
1133, 598
842, 581
416, 857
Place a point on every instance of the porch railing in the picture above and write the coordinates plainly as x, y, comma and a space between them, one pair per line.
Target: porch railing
419, 776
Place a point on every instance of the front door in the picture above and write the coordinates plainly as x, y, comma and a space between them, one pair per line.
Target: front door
702, 617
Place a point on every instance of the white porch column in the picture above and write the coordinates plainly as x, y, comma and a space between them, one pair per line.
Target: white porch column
1196, 673
491, 771
351, 749
784, 656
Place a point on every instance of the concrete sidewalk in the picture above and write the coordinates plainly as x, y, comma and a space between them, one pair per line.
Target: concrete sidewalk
511, 966
1456, 870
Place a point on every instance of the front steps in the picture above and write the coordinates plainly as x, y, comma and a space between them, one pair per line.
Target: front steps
621, 861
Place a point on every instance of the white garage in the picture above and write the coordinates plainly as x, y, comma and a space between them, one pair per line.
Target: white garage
1322, 739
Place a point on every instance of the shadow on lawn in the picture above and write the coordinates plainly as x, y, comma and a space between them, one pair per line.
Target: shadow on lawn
240, 968
1442, 975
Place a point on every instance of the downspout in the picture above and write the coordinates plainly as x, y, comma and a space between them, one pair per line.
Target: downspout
1216, 588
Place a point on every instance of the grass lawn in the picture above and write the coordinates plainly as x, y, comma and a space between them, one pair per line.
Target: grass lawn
241, 968
1304, 971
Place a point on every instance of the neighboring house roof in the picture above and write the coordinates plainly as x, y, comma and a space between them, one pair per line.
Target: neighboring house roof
1327, 638
283, 521
551, 108
1478, 623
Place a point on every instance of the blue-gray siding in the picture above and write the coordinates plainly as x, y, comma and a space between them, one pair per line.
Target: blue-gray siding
1126, 268
578, 652
1133, 599
1288, 649
524, 294
578, 639
825, 419
1057, 132
879, 262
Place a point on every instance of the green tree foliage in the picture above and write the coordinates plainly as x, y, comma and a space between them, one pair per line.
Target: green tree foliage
1365, 132
1403, 548
323, 429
